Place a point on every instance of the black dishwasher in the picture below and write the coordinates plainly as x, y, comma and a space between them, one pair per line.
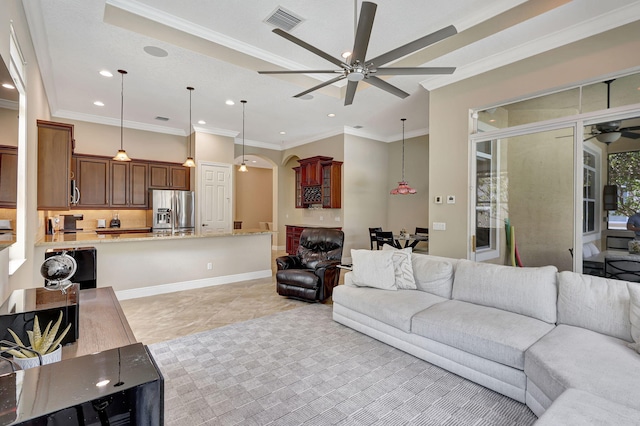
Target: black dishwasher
86, 258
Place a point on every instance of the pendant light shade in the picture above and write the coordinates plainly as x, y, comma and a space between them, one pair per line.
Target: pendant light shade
403, 186
122, 154
243, 166
189, 161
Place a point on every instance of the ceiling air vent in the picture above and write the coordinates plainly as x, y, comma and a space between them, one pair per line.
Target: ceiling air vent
283, 19
162, 118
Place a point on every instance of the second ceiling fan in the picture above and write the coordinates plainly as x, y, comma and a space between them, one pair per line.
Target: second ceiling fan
356, 68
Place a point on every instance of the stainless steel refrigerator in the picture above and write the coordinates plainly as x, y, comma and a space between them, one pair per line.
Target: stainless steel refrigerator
171, 210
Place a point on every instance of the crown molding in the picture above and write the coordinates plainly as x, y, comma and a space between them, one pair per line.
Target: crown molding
71, 115
594, 26
7, 104
216, 131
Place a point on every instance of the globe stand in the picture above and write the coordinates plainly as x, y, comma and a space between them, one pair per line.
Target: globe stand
57, 271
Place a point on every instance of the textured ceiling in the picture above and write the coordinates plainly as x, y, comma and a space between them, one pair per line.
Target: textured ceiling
218, 47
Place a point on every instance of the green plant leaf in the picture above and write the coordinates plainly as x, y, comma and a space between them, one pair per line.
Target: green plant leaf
55, 344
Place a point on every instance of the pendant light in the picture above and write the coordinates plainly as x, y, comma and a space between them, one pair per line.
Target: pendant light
122, 154
189, 161
243, 166
403, 187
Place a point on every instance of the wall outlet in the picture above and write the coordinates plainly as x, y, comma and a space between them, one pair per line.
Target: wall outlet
438, 199
439, 226
321, 218
209, 266
337, 218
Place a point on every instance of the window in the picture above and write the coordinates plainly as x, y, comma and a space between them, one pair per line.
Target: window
590, 191
487, 200
624, 172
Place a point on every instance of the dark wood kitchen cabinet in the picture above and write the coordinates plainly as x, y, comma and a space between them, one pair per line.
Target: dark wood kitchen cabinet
318, 181
8, 176
93, 180
128, 186
168, 176
55, 147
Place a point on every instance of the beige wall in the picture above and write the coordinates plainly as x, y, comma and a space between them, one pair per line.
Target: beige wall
409, 211
101, 139
8, 127
253, 197
450, 120
213, 148
365, 185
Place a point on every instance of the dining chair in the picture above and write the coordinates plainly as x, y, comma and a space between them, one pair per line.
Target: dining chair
386, 237
425, 246
422, 231
372, 236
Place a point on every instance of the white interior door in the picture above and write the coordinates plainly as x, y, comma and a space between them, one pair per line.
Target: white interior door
215, 198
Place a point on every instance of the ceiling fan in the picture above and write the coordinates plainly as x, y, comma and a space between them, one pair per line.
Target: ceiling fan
356, 68
610, 131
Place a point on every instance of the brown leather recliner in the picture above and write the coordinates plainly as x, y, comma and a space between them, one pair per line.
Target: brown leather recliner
313, 272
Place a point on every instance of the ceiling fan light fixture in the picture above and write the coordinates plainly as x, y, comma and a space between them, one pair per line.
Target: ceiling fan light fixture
609, 137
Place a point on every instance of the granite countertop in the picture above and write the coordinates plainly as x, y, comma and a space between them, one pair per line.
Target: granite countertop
94, 238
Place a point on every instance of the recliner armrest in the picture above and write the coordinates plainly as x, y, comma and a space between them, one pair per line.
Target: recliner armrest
288, 262
327, 264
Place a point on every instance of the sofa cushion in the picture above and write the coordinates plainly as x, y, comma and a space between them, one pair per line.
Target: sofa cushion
574, 357
596, 303
373, 268
576, 407
402, 268
490, 333
392, 308
432, 274
634, 314
525, 291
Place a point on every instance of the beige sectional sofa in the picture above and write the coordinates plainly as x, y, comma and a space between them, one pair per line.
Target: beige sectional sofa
538, 336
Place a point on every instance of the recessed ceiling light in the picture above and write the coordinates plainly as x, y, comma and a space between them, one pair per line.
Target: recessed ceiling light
202, 122
229, 102
102, 383
283, 132
156, 51
98, 103
253, 161
331, 115
492, 120
8, 86
106, 73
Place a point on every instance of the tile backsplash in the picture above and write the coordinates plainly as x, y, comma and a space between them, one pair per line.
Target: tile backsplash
89, 222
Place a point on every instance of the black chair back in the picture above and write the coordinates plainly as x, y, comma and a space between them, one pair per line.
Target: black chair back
372, 236
386, 237
422, 231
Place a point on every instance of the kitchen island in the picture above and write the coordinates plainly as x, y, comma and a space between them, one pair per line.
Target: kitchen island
145, 264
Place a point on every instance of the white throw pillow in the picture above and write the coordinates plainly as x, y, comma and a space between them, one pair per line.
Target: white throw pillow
634, 314
433, 274
373, 268
402, 268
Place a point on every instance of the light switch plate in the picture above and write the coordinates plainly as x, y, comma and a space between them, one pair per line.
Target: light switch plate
439, 226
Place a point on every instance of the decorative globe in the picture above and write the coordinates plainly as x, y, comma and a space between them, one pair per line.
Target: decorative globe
57, 271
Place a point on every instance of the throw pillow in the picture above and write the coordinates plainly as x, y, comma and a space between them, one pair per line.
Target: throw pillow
634, 314
433, 275
373, 268
402, 268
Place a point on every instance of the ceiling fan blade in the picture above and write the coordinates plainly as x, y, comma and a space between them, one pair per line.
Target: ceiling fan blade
625, 129
590, 137
381, 84
415, 45
310, 48
630, 135
320, 86
363, 32
351, 92
414, 71
302, 72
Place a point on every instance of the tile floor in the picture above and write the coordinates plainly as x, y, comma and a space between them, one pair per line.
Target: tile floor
168, 316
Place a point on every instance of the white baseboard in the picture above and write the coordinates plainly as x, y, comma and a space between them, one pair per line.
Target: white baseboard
134, 293
279, 248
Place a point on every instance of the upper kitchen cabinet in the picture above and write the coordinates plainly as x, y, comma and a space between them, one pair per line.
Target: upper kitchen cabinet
168, 176
92, 178
55, 147
318, 182
8, 176
129, 184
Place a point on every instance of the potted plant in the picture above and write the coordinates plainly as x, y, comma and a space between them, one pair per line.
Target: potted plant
44, 343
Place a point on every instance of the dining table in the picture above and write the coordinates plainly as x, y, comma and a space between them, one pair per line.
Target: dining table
410, 240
